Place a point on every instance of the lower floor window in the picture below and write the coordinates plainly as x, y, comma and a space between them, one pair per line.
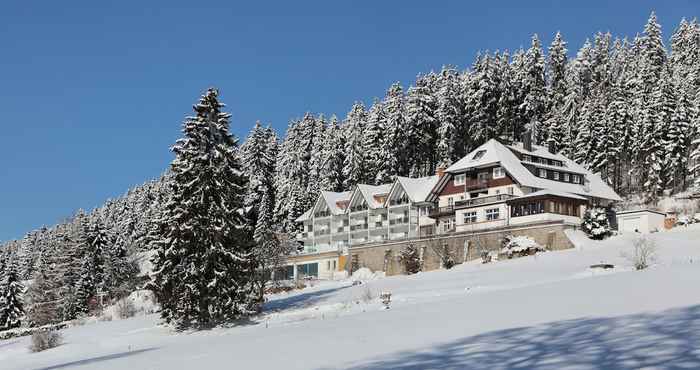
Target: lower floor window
492, 214
469, 217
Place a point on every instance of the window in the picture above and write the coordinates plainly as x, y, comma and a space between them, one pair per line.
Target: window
460, 179
448, 224
450, 201
542, 173
555, 174
510, 190
469, 217
328, 265
576, 179
498, 191
558, 163
566, 177
478, 155
526, 158
492, 214
483, 176
498, 173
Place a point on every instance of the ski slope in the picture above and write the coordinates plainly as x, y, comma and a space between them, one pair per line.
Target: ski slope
548, 311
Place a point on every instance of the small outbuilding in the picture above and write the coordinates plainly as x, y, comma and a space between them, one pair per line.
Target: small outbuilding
642, 221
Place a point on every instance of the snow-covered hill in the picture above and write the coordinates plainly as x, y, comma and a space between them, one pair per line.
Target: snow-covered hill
548, 311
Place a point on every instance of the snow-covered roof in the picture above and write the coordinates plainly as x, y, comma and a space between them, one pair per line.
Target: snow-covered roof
551, 192
417, 189
332, 199
645, 210
305, 216
495, 153
369, 191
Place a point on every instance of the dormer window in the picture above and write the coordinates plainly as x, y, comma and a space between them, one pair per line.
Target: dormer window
555, 175
498, 173
478, 155
576, 179
566, 177
542, 173
460, 179
558, 163
526, 158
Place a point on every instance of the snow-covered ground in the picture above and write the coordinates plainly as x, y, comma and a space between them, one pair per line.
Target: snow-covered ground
546, 311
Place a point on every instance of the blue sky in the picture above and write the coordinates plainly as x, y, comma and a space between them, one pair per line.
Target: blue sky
92, 95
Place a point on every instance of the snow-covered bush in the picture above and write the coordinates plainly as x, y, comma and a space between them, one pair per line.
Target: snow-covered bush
595, 223
125, 308
520, 246
643, 254
684, 221
367, 295
45, 339
410, 257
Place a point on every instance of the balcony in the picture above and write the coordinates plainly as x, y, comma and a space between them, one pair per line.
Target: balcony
399, 221
475, 184
323, 232
358, 227
441, 211
398, 202
322, 214
483, 200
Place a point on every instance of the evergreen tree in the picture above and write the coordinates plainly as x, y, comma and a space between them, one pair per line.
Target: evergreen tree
11, 303
373, 141
393, 149
421, 127
203, 263
354, 162
332, 178
448, 117
534, 103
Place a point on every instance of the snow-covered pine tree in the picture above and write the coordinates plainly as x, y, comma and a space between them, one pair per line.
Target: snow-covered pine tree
44, 294
421, 126
482, 95
534, 90
354, 163
557, 90
334, 147
373, 141
393, 148
203, 264
678, 141
11, 301
448, 117
595, 223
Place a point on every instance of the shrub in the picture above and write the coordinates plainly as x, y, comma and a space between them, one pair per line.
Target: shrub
519, 246
45, 339
595, 223
125, 308
367, 295
410, 258
644, 253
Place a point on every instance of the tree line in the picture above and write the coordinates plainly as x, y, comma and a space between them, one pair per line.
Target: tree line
625, 108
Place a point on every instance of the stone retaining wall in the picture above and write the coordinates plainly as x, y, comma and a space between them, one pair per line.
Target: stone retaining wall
461, 247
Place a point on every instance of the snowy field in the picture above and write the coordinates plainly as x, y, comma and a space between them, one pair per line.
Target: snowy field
548, 311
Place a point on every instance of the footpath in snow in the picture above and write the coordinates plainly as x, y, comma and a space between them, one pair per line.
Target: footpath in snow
546, 311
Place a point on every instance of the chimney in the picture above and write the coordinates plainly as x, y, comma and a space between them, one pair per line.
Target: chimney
552, 148
440, 171
527, 140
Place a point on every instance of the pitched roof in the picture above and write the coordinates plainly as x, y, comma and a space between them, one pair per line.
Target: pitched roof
369, 191
305, 216
497, 153
417, 189
551, 192
332, 200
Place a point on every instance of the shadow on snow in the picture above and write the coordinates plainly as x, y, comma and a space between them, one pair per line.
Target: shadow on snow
300, 300
94, 360
669, 340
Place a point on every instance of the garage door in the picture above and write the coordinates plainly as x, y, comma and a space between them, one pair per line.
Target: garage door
631, 224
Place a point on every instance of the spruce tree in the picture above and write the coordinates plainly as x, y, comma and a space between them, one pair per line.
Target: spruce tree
11, 302
421, 127
354, 162
203, 262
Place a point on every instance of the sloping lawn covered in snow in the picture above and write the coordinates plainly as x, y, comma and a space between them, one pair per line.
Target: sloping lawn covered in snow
545, 311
